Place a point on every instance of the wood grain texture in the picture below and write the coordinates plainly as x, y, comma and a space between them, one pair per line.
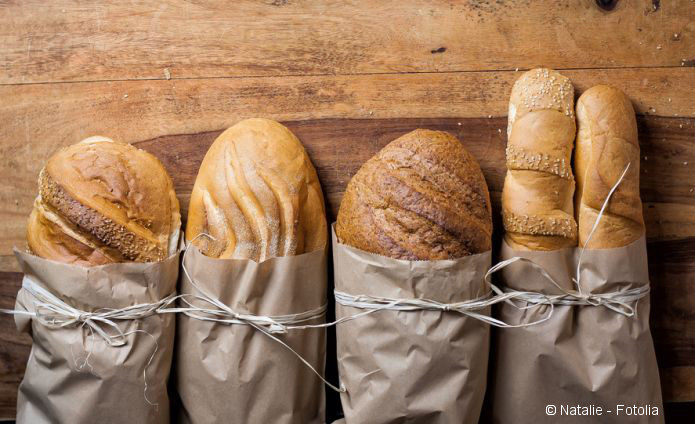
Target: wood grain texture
14, 347
67, 40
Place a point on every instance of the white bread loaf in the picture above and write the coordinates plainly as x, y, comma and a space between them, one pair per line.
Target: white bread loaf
257, 194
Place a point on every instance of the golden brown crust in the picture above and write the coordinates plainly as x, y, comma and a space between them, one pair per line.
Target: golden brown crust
257, 194
101, 202
606, 143
537, 204
48, 241
422, 197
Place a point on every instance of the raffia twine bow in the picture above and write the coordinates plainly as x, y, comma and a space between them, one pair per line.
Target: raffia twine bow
52, 312
222, 313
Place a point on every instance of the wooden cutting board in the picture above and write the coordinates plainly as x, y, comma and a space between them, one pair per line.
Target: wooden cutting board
347, 78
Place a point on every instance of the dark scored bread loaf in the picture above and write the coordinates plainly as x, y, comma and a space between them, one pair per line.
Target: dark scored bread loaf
422, 197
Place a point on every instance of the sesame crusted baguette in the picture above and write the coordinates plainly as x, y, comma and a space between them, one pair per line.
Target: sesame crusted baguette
606, 143
102, 202
537, 204
422, 197
257, 194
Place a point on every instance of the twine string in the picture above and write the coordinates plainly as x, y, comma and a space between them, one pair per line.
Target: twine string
52, 312
618, 301
576, 280
471, 308
267, 325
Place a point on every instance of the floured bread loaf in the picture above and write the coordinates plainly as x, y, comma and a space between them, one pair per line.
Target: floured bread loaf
422, 197
257, 195
101, 202
537, 203
606, 143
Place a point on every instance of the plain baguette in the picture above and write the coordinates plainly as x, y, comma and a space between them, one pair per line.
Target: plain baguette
606, 143
537, 198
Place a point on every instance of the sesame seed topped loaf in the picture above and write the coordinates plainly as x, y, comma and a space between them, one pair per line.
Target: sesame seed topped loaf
257, 195
422, 197
102, 202
537, 203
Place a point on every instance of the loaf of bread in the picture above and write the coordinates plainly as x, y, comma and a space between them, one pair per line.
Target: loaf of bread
422, 197
257, 196
102, 202
606, 144
537, 198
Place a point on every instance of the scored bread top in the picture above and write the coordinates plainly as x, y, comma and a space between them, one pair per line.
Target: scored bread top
102, 201
606, 142
537, 204
422, 197
257, 195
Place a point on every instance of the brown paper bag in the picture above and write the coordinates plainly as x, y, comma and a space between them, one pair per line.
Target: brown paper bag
234, 373
583, 356
73, 375
415, 366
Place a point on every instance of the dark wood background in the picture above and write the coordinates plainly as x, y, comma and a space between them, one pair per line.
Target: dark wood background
347, 78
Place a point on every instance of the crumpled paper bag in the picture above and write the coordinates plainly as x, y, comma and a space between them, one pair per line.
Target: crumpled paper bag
587, 356
411, 366
73, 376
233, 373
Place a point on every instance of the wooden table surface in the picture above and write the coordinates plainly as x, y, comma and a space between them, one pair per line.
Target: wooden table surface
347, 78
